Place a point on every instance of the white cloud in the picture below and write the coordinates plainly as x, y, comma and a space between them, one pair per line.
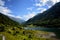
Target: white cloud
42, 3
45, 2
40, 8
15, 16
30, 8
25, 17
55, 1
43, 10
37, 4
5, 10
29, 15
10, 15
18, 17
49, 3
2, 3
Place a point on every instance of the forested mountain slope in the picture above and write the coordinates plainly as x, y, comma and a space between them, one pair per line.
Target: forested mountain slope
49, 18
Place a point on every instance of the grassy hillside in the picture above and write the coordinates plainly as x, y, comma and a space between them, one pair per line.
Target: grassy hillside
21, 34
13, 31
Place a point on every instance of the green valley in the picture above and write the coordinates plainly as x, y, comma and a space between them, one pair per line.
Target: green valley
12, 30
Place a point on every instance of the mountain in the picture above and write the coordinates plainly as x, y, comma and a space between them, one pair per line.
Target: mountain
49, 18
6, 21
17, 19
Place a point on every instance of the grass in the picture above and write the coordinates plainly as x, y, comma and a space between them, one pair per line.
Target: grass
21, 34
0, 38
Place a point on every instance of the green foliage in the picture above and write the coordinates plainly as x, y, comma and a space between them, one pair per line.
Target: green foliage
2, 28
0, 37
23, 34
30, 36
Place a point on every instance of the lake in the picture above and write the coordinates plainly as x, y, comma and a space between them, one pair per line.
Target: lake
42, 29
54, 30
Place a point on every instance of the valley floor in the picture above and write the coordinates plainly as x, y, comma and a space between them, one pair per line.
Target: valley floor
21, 34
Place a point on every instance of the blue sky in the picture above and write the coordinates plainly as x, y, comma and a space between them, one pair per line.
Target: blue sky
25, 9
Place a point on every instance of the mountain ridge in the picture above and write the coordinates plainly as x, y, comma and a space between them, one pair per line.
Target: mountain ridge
49, 18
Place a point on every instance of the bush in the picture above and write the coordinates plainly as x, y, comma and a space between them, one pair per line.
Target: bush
2, 28
24, 39
9, 32
17, 31
30, 36
24, 32
13, 28
14, 34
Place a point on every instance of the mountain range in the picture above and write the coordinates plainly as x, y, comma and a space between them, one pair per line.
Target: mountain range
49, 18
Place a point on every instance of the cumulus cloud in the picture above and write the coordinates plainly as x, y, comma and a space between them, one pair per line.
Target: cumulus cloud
6, 10
55, 1
37, 4
30, 8
40, 2
29, 15
18, 17
43, 3
15, 16
2, 3
41, 9
3, 9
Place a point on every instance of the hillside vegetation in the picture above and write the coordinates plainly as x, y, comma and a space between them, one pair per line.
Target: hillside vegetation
49, 18
14, 31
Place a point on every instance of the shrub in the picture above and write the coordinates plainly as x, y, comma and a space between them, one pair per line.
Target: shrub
13, 28
14, 34
24, 32
23, 39
30, 36
9, 32
17, 31
2, 28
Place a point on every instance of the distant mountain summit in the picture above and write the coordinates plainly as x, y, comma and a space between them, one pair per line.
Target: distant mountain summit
49, 18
